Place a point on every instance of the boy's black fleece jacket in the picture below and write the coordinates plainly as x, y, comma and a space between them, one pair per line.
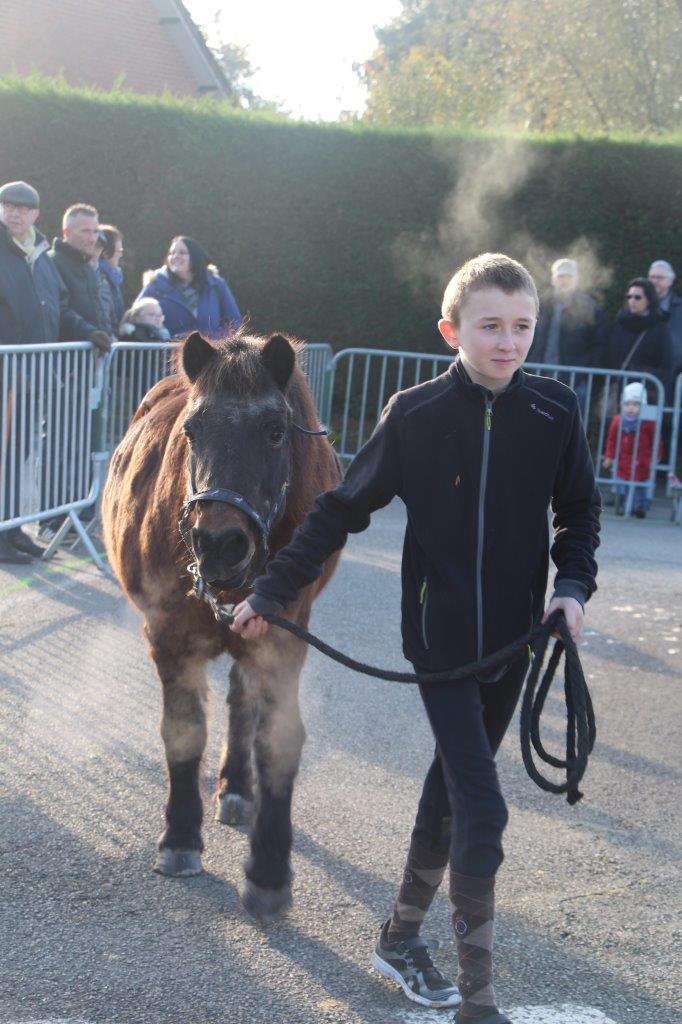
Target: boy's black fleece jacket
477, 473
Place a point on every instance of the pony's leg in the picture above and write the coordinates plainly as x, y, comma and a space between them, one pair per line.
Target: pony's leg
234, 805
278, 743
183, 729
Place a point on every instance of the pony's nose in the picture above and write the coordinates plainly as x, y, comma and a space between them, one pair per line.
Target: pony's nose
229, 547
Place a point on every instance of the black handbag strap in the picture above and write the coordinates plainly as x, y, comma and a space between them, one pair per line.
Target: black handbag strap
633, 349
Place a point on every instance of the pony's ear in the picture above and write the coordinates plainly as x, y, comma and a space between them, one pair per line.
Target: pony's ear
280, 359
196, 354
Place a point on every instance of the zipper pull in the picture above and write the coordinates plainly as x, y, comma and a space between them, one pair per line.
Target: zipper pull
422, 593
488, 414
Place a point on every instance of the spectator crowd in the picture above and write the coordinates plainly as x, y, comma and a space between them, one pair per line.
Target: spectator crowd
72, 290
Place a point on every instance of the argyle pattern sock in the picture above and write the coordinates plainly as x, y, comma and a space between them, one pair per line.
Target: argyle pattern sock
473, 911
423, 874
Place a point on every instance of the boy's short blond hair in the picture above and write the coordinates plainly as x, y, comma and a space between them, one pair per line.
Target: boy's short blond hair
489, 270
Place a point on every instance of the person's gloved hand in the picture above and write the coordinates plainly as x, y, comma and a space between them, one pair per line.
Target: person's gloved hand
101, 341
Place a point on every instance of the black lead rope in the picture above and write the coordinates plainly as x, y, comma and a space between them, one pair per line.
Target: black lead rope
580, 727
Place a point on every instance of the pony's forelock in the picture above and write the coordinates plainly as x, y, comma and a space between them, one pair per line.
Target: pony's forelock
239, 369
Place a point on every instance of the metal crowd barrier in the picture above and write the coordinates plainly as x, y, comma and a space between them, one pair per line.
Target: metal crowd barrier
48, 395
64, 409
130, 370
363, 380
316, 360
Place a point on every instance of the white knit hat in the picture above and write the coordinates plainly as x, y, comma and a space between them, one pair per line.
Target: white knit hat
634, 392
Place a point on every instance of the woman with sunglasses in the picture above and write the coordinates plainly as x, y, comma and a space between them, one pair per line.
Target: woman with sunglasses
640, 339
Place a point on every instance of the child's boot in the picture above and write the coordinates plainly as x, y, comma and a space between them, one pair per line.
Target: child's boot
473, 912
400, 953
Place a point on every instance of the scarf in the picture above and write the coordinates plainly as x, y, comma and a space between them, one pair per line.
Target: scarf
628, 424
635, 324
29, 244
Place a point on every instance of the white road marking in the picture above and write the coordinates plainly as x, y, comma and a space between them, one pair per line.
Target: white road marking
566, 1013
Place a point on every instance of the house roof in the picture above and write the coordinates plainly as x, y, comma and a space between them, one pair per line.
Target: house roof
176, 21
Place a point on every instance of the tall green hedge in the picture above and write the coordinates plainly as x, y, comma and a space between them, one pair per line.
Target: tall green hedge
336, 233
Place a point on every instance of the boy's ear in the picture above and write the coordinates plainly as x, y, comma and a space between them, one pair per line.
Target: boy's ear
449, 333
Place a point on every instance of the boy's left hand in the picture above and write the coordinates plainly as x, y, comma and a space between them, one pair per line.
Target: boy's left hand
574, 613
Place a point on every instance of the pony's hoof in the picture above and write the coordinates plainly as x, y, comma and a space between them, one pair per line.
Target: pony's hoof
266, 905
232, 809
178, 863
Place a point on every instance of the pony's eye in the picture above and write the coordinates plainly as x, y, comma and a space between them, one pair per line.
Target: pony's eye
187, 431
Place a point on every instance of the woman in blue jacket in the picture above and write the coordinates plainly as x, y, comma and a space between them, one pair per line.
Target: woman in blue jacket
192, 296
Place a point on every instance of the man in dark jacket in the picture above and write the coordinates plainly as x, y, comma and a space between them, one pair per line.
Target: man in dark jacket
72, 255
662, 277
570, 329
32, 310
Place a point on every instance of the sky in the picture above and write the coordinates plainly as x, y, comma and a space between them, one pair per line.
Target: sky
304, 49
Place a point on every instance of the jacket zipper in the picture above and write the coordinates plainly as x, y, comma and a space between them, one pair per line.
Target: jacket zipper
485, 457
424, 600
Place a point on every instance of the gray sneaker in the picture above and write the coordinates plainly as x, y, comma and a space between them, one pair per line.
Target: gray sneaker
408, 962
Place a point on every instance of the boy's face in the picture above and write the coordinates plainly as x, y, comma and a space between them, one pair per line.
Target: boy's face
493, 336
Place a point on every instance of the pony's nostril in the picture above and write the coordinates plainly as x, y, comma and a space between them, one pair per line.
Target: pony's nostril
230, 547
234, 546
203, 542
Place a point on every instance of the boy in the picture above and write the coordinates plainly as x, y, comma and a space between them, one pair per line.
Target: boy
476, 455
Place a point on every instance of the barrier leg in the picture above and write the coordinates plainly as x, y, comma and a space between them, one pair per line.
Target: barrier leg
57, 539
72, 520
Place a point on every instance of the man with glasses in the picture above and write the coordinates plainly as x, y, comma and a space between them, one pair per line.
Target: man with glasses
662, 277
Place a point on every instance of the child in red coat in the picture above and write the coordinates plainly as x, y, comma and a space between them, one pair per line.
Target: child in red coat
632, 439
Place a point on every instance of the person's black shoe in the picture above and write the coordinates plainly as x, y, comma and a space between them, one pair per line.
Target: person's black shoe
640, 513
22, 542
10, 554
408, 962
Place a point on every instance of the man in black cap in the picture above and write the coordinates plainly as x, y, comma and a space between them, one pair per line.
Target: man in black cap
32, 310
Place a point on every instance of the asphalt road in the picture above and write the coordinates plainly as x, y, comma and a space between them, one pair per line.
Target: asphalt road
589, 896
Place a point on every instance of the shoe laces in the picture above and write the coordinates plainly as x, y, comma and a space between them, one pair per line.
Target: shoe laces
420, 958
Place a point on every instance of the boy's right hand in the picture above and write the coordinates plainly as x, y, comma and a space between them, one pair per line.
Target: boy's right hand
247, 622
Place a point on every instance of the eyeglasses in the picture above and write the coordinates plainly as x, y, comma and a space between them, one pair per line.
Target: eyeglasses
637, 298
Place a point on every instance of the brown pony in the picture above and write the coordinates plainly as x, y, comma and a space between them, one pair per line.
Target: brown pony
228, 423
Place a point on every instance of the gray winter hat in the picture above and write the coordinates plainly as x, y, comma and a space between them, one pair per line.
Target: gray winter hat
565, 266
20, 193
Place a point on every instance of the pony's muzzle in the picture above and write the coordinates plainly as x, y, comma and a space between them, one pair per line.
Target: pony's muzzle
222, 555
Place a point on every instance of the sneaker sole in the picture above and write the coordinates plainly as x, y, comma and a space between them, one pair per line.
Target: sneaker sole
389, 972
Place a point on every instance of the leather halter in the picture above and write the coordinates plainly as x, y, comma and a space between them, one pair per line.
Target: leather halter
229, 497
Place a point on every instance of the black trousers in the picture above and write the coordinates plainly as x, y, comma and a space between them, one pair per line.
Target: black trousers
462, 812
